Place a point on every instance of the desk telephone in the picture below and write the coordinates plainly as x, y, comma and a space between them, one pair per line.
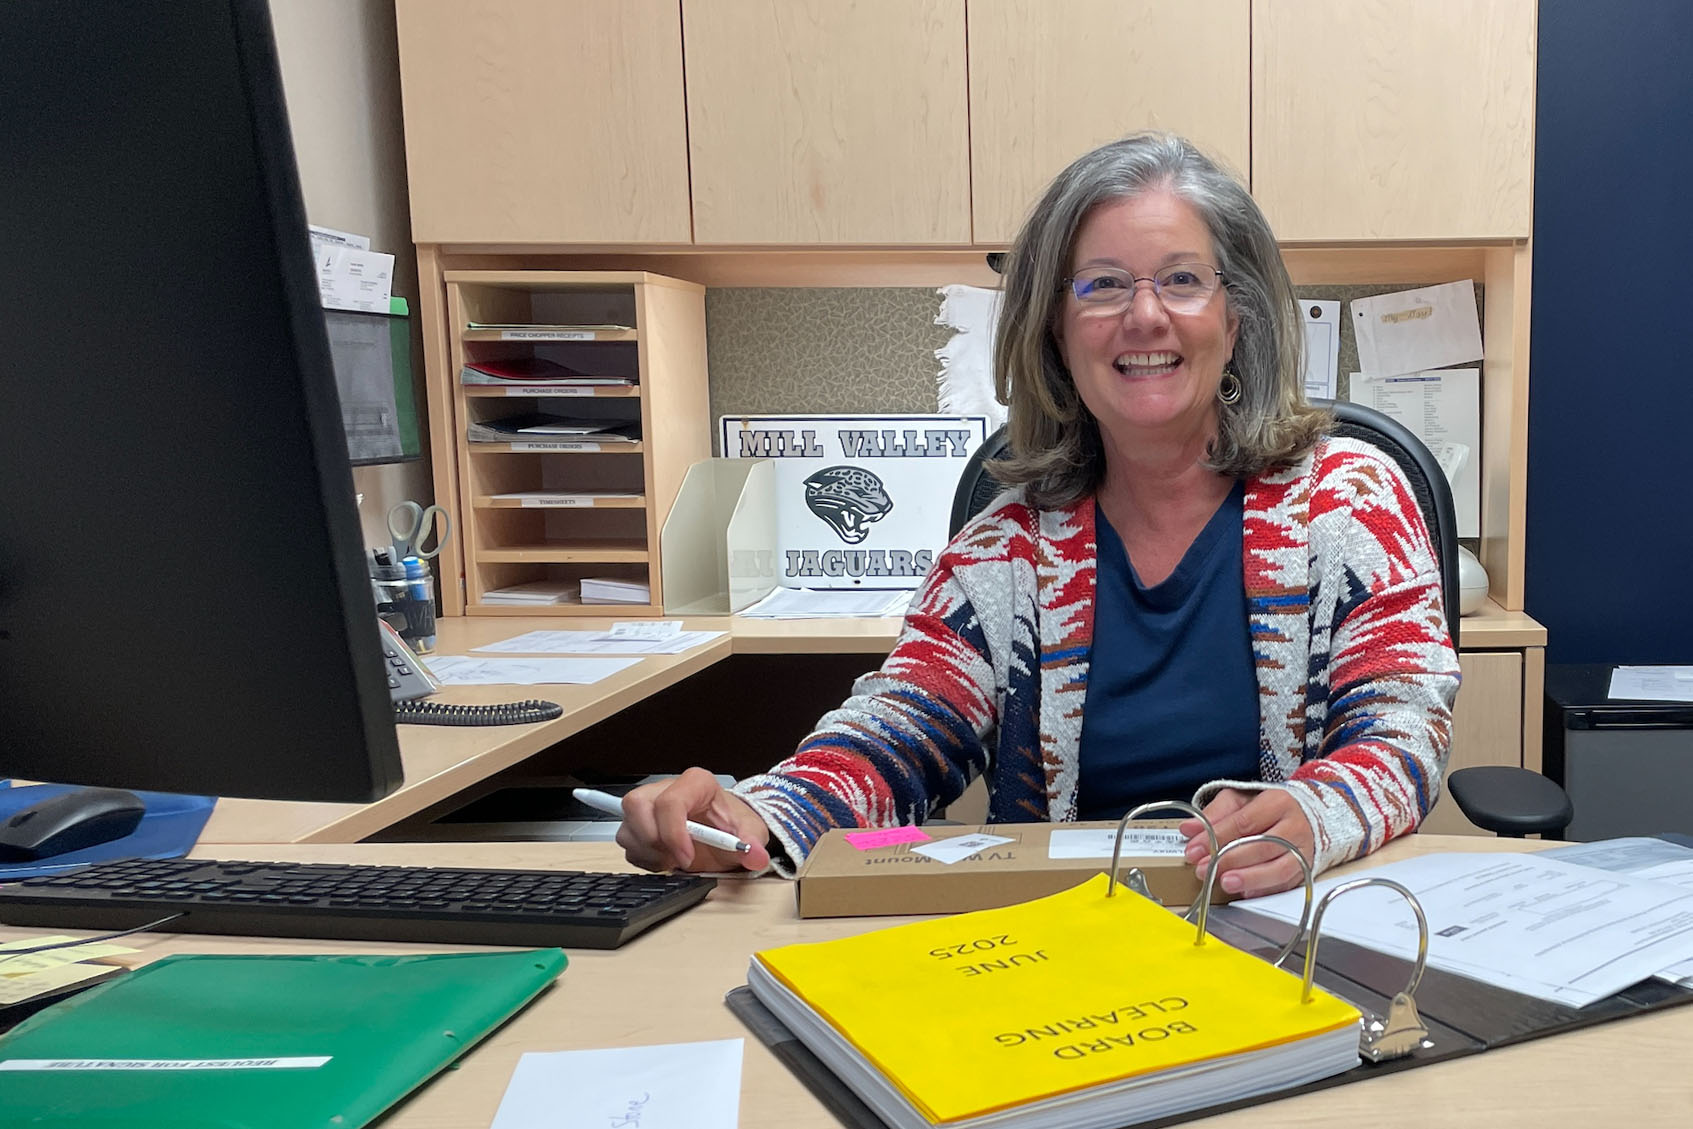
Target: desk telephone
409, 682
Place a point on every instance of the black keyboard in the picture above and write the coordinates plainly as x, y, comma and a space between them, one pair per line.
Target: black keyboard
367, 903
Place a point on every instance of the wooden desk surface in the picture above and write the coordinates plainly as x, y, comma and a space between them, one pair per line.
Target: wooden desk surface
442, 761
668, 985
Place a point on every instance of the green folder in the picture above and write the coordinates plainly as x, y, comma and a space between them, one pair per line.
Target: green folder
255, 1042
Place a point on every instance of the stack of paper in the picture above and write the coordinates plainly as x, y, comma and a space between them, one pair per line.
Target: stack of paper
536, 592
818, 603
615, 590
541, 425
1534, 924
1074, 1010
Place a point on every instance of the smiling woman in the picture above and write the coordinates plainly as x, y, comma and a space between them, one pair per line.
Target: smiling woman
1188, 588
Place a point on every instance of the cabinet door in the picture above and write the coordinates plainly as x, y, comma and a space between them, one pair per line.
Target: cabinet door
1393, 119
1050, 81
814, 121
1487, 727
544, 121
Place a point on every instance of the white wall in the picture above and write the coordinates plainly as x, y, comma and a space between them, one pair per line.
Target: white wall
341, 76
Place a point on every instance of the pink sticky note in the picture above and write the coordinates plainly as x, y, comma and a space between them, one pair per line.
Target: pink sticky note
887, 837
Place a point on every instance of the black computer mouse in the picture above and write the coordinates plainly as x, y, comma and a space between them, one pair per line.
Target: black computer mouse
68, 822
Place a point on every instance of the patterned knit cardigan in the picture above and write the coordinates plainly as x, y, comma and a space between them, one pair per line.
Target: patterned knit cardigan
1356, 671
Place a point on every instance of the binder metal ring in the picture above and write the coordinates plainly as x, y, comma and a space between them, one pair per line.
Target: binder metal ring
1134, 814
1204, 902
1403, 1031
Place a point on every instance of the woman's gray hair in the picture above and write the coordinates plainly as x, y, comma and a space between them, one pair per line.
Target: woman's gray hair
1056, 450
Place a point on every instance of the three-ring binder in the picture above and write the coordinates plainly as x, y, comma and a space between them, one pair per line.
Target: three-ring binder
1401, 1032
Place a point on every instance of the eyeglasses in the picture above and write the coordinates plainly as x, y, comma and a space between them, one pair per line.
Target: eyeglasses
1184, 288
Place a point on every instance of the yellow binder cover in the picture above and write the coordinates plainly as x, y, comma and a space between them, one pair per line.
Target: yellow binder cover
995, 1009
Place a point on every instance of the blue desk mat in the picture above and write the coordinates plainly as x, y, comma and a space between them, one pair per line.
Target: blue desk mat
169, 829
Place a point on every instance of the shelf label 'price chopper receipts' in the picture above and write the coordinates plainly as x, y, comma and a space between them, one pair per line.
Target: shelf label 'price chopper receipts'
861, 501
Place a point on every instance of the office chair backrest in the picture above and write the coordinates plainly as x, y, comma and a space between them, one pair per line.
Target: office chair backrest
1428, 483
976, 487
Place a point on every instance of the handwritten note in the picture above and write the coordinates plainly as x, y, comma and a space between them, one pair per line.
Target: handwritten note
673, 1086
959, 847
886, 837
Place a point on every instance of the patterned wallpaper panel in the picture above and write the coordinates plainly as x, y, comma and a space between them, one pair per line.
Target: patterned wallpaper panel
865, 349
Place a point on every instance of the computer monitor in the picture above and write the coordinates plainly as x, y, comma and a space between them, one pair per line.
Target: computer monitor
184, 604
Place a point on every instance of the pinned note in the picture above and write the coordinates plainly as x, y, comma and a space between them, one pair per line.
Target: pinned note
1322, 347
1412, 330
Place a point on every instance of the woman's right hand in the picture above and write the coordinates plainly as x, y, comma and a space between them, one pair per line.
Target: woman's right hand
654, 834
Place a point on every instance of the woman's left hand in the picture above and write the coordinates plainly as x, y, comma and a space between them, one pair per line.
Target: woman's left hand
1262, 868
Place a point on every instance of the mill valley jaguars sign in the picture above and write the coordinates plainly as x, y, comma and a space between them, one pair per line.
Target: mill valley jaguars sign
861, 501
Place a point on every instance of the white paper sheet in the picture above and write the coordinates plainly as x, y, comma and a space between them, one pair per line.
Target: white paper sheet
467, 670
1097, 843
1541, 926
1322, 347
594, 643
1652, 859
1412, 330
674, 1086
1443, 409
646, 629
1653, 683
330, 237
958, 847
813, 603
966, 374
350, 279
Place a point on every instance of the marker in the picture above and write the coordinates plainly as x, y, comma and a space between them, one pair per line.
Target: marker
698, 832
417, 585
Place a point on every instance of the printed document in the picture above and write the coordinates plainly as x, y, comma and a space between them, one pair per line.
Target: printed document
1443, 409
813, 603
466, 670
675, 1086
1536, 925
1653, 859
595, 643
1412, 330
1653, 683
1322, 347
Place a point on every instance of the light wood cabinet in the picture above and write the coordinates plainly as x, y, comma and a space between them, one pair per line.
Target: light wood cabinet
817, 122
1487, 727
1394, 119
561, 507
544, 121
1048, 82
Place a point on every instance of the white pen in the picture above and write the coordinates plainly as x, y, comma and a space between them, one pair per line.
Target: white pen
698, 832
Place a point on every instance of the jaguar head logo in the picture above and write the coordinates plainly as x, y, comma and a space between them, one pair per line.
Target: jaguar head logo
849, 498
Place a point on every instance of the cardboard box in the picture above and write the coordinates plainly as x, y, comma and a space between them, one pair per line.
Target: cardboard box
841, 880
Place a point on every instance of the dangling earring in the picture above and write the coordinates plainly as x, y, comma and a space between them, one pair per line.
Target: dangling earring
1229, 388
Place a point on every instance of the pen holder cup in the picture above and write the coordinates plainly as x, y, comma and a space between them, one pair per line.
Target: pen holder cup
412, 617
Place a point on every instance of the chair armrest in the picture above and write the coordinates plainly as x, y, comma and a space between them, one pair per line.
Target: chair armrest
1510, 801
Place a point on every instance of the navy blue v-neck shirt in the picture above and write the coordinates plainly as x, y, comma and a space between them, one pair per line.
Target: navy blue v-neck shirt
1172, 699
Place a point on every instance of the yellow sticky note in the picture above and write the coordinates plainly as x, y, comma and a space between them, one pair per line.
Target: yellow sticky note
24, 964
17, 989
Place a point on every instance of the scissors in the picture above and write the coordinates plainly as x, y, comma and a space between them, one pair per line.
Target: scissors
410, 525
